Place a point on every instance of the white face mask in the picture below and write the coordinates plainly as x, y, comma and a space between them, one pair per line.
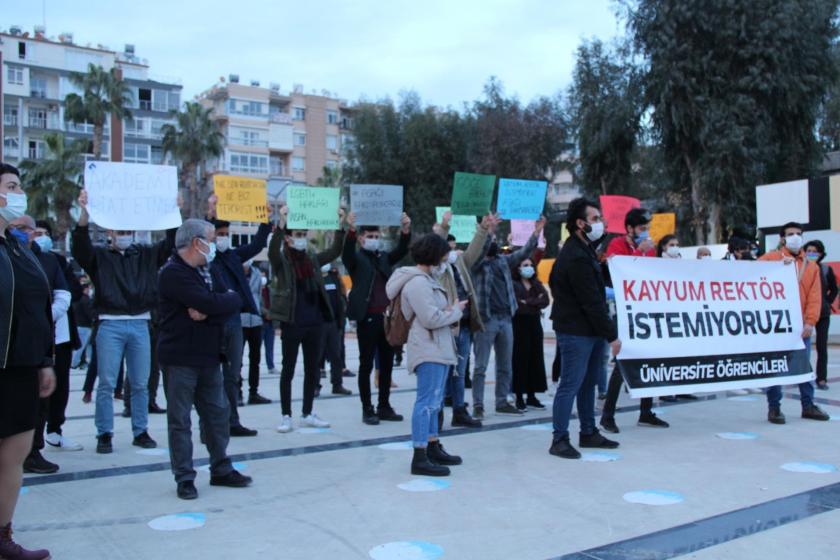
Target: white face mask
15, 206
596, 231
123, 242
527, 271
452, 257
673, 252
326, 268
371, 244
223, 243
299, 243
793, 242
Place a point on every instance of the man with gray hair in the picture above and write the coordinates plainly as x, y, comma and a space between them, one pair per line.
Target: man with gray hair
194, 304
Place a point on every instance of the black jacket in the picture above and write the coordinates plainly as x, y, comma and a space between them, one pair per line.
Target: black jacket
182, 341
577, 286
829, 289
229, 265
126, 283
362, 266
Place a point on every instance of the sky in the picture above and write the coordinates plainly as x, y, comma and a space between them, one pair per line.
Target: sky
358, 49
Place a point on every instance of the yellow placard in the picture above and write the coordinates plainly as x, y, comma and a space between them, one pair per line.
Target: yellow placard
240, 199
544, 270
662, 225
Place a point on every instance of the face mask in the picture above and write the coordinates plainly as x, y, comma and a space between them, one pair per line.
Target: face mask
673, 252
15, 206
793, 242
263, 281
642, 237
596, 231
299, 243
22, 238
452, 257
45, 243
211, 253
326, 268
526, 271
812, 256
371, 244
223, 243
704, 257
123, 242
437, 271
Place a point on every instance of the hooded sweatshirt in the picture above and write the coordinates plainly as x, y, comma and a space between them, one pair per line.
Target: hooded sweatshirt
810, 289
424, 300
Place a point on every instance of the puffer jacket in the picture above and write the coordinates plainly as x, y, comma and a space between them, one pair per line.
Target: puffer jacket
430, 338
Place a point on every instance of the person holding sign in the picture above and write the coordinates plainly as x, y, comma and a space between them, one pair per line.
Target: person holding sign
370, 268
582, 324
300, 303
124, 276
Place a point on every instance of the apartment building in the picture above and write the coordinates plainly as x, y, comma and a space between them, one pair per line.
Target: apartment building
36, 72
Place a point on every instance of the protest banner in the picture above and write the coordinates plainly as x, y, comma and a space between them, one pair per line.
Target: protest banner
520, 232
472, 194
613, 210
520, 199
462, 227
132, 196
240, 199
662, 225
312, 207
689, 326
377, 205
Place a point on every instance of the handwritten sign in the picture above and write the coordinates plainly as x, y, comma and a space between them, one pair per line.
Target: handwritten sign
312, 207
520, 199
662, 225
614, 208
132, 196
472, 194
377, 205
462, 227
521, 231
240, 199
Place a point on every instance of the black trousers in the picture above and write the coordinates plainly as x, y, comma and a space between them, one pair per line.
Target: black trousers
822, 348
613, 391
370, 333
331, 351
294, 337
253, 338
51, 409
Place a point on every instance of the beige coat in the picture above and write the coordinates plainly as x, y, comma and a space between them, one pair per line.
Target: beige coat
464, 264
431, 336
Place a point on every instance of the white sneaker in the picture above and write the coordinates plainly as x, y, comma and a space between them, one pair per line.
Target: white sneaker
313, 421
285, 425
739, 392
62, 443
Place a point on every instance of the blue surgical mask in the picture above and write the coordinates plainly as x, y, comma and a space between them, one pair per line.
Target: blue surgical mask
642, 236
45, 243
527, 272
22, 238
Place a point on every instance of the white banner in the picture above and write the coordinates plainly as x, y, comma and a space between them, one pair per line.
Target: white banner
691, 326
132, 196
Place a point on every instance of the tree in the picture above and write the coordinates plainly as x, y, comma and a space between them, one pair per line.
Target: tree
103, 94
194, 139
53, 183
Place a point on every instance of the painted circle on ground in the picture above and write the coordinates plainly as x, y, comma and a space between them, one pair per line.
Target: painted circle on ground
809, 467
238, 466
743, 398
545, 427
397, 446
406, 550
737, 435
178, 522
23, 491
835, 418
600, 457
653, 497
156, 452
314, 430
424, 485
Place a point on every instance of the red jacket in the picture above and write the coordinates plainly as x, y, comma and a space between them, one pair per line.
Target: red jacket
622, 246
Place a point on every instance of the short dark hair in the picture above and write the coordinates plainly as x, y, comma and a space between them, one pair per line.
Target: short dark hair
450, 237
429, 249
660, 246
218, 224
8, 168
739, 244
789, 225
636, 217
45, 225
577, 211
365, 229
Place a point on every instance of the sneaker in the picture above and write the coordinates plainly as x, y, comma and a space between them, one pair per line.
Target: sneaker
155, 409
562, 448
285, 425
609, 425
62, 443
187, 490
144, 441
822, 385
478, 412
534, 403
347, 373
36, 464
507, 408
595, 439
242, 431
341, 390
103, 443
521, 406
814, 412
775, 416
10, 550
652, 421
369, 417
256, 398
312, 421
233, 479
388, 414
87, 398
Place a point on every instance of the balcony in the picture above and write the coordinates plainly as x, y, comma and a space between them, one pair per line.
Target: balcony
280, 118
281, 137
10, 120
248, 142
38, 93
145, 105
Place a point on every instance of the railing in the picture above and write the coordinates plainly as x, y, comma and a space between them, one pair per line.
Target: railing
280, 118
10, 120
37, 122
145, 105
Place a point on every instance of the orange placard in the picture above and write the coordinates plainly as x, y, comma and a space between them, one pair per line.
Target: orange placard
662, 225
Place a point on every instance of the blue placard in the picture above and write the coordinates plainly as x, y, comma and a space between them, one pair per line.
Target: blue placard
520, 199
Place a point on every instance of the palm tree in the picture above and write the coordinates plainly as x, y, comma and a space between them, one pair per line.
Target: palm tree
194, 139
53, 183
104, 93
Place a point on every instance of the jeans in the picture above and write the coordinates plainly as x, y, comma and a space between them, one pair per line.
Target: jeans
582, 360
232, 366
431, 378
294, 337
202, 387
370, 333
253, 336
498, 335
115, 339
154, 374
83, 353
455, 379
268, 342
331, 350
806, 390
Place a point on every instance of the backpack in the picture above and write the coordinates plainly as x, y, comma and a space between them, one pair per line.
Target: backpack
396, 325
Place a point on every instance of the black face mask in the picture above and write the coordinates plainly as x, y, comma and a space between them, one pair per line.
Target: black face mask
493, 250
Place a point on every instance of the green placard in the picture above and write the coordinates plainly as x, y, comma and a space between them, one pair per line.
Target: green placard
472, 194
462, 227
312, 207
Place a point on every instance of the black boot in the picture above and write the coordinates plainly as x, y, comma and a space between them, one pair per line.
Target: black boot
438, 455
369, 416
460, 417
421, 465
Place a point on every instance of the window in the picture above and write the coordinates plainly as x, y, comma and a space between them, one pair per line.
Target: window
249, 163
276, 166
137, 153
300, 139
11, 146
36, 149
15, 75
137, 127
157, 155
144, 99
38, 87
332, 117
346, 123
299, 114
37, 118
332, 142
298, 163
247, 108
10, 116
346, 141
21, 50
160, 100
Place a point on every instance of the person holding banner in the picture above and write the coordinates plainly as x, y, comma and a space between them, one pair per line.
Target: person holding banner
810, 297
583, 326
815, 252
370, 268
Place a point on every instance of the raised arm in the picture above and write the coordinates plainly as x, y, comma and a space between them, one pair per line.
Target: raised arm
348, 255
335, 249
476, 248
257, 244
401, 249
525, 251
